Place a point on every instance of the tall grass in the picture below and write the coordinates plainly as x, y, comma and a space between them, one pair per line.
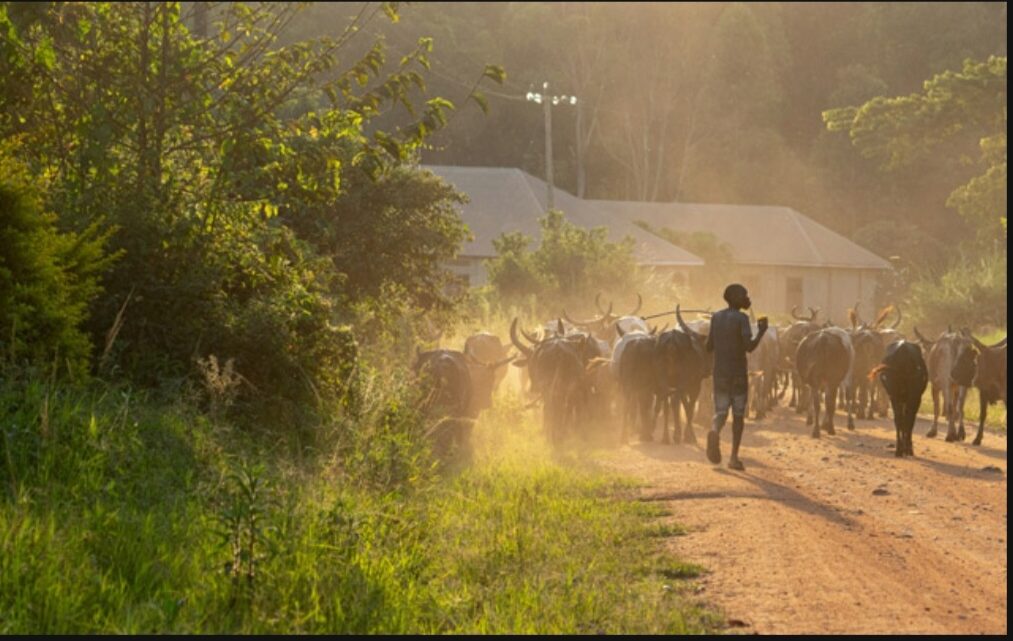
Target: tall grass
122, 513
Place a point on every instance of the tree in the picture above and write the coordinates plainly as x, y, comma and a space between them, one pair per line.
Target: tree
218, 159
47, 278
956, 111
570, 265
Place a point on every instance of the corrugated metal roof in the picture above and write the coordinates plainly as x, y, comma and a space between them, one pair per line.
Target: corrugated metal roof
504, 199
757, 234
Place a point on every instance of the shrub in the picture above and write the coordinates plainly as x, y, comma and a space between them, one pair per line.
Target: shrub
47, 277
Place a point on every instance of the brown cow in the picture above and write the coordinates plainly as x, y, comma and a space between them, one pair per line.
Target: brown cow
990, 379
942, 358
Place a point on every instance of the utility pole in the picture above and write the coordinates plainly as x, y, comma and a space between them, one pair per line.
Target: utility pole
547, 101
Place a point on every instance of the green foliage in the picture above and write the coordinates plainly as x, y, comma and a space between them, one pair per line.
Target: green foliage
570, 265
257, 203
955, 111
972, 293
122, 514
48, 278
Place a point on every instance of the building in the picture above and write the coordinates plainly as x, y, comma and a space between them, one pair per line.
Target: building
784, 258
503, 199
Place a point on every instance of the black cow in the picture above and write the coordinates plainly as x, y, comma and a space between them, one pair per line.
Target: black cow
634, 368
681, 363
987, 366
456, 388
904, 376
557, 366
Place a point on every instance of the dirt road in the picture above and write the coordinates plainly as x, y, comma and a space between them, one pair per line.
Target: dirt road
836, 535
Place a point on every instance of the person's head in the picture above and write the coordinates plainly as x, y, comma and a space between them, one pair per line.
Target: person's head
737, 297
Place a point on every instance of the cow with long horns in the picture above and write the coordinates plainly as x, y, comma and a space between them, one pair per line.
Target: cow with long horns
790, 339
602, 327
557, 366
869, 351
456, 389
682, 363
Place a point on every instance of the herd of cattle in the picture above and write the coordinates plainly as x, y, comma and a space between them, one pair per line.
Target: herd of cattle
585, 371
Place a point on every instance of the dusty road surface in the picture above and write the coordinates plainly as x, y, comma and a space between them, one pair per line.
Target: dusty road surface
836, 535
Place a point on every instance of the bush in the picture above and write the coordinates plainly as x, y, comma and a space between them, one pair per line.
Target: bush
47, 277
570, 265
971, 293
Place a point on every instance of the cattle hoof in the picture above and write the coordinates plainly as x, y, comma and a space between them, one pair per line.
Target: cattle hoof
815, 433
931, 433
951, 437
899, 453
851, 425
962, 435
976, 441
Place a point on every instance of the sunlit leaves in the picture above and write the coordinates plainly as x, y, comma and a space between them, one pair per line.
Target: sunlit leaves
496, 73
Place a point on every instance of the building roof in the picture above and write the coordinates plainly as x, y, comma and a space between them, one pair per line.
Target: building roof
757, 234
505, 199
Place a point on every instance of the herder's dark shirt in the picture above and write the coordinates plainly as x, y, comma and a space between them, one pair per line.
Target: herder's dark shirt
729, 336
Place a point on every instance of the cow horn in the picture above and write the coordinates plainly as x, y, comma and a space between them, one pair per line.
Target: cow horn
682, 324
853, 317
922, 338
640, 303
896, 324
815, 312
619, 330
654, 330
949, 329
579, 323
560, 328
516, 341
597, 303
794, 313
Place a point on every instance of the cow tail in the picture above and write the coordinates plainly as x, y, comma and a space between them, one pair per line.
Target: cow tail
877, 370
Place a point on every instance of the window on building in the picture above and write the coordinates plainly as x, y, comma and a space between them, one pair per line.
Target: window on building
793, 293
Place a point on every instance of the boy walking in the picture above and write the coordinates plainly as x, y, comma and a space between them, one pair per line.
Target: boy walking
731, 339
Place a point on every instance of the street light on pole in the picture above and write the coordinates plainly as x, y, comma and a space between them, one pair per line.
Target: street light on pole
547, 101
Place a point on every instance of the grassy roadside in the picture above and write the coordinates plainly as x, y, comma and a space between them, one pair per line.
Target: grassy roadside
127, 515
